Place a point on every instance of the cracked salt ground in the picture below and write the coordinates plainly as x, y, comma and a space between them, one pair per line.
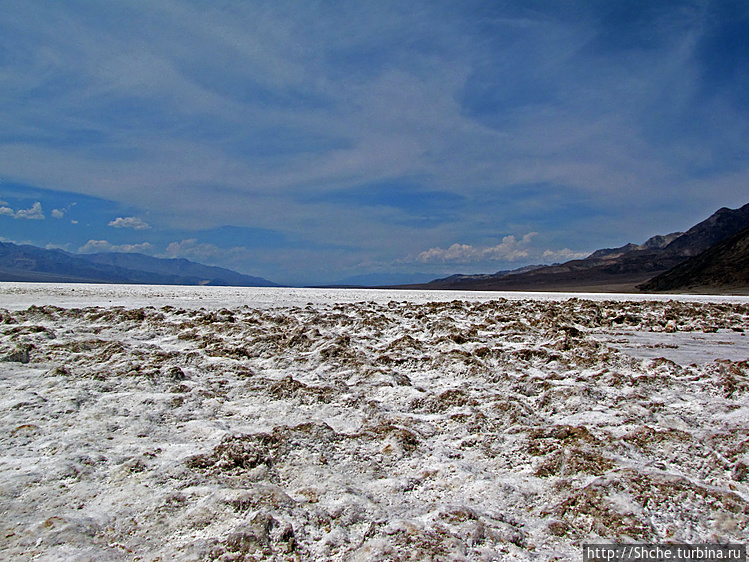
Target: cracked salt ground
366, 431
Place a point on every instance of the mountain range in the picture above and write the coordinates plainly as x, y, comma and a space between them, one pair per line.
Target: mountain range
710, 256
29, 263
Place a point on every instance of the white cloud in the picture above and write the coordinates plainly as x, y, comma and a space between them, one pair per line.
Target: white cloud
191, 249
511, 249
564, 254
60, 213
33, 213
130, 222
94, 246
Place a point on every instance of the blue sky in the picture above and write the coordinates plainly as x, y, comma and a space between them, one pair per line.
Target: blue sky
308, 142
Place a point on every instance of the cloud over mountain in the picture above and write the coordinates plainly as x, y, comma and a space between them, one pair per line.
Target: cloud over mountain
130, 222
510, 250
94, 246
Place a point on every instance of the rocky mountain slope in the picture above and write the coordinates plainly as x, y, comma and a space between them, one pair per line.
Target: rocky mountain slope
723, 266
29, 263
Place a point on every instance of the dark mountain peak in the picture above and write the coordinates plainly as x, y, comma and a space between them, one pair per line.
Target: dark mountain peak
722, 223
717, 227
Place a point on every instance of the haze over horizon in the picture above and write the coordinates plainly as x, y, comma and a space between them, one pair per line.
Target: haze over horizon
309, 142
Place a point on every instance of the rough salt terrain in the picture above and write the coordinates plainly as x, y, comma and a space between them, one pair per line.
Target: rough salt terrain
491, 429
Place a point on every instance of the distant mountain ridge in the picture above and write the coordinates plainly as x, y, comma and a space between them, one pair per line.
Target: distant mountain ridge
655, 243
611, 269
30, 263
381, 280
181, 267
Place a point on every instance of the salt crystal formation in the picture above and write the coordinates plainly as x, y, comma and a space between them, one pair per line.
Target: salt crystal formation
398, 431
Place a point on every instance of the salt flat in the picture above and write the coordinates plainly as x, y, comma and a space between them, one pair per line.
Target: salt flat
173, 423
15, 296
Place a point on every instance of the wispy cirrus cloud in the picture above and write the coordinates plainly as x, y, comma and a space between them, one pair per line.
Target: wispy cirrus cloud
291, 117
